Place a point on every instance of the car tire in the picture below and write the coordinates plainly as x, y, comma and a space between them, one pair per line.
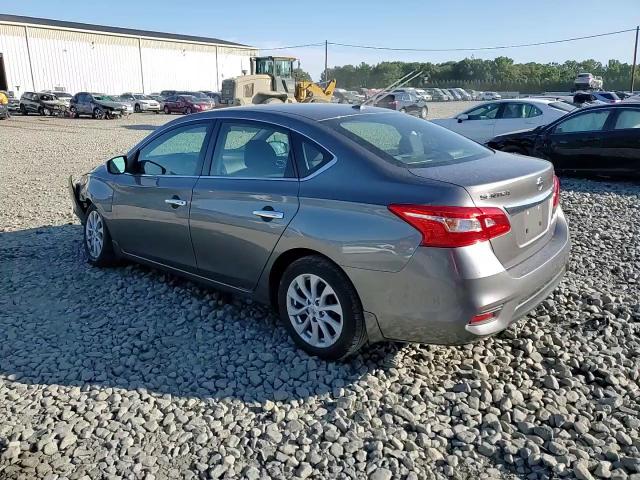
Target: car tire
73, 112
97, 240
423, 113
188, 111
330, 333
166, 110
137, 108
403, 110
98, 113
23, 110
41, 111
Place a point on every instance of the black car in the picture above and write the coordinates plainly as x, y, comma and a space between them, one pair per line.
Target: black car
602, 139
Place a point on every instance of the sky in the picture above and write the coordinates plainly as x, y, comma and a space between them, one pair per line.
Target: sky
410, 23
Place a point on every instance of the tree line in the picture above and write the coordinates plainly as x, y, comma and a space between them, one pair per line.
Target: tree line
501, 74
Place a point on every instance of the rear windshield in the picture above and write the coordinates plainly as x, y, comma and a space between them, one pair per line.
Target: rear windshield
407, 141
610, 96
564, 106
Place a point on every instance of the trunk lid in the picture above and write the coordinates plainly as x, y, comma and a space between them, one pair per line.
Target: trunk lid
521, 186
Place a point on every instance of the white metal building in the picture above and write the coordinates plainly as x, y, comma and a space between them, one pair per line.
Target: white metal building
41, 54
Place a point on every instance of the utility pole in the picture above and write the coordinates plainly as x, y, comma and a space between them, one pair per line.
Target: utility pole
326, 54
635, 53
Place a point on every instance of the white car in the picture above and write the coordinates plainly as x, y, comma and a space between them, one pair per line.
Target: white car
490, 96
141, 103
483, 122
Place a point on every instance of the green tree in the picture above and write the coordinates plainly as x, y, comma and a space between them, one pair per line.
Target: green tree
299, 74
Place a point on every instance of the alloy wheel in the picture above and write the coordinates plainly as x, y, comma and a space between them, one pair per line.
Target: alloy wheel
94, 234
314, 310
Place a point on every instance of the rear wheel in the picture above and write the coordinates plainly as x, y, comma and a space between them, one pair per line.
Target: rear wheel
23, 110
188, 111
97, 241
321, 309
166, 110
403, 110
423, 113
73, 112
137, 108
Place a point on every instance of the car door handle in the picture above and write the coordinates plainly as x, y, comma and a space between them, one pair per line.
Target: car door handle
175, 202
268, 214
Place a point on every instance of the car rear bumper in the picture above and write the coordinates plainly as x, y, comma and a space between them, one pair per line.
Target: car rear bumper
433, 299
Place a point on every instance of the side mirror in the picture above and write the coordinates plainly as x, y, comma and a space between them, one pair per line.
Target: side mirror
462, 117
117, 165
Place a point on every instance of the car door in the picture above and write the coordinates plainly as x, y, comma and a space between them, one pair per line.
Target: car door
480, 124
517, 116
85, 105
621, 142
151, 202
240, 210
575, 143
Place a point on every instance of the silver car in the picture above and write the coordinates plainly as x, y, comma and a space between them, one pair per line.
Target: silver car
356, 223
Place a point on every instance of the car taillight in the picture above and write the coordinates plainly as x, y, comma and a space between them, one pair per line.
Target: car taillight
452, 227
556, 192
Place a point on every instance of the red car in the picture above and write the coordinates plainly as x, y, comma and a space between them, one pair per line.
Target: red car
186, 104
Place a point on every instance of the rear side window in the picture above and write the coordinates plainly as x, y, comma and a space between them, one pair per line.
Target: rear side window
310, 156
407, 141
586, 122
628, 119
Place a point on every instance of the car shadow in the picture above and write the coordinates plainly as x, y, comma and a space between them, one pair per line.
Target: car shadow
65, 322
141, 127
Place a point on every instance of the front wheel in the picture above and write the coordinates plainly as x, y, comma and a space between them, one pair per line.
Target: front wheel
321, 309
98, 113
403, 110
423, 113
166, 110
97, 241
137, 108
188, 111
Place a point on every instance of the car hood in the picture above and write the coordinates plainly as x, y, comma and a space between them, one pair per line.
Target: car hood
527, 132
106, 103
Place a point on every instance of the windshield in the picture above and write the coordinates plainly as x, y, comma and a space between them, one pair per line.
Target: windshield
564, 106
47, 98
189, 98
407, 141
62, 95
141, 97
105, 98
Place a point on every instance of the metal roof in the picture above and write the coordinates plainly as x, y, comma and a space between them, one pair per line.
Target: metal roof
46, 22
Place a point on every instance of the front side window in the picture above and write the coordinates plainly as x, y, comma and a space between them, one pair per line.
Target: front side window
628, 119
484, 112
585, 122
253, 150
520, 110
407, 141
177, 152
283, 68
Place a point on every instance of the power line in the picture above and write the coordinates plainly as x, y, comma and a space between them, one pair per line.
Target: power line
499, 47
295, 46
470, 49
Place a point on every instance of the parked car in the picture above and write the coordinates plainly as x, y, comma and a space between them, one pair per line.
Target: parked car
623, 95
186, 104
97, 105
463, 93
603, 139
158, 98
437, 95
483, 122
340, 95
14, 102
587, 81
201, 97
456, 96
423, 94
586, 99
490, 96
606, 97
64, 97
215, 96
387, 227
141, 102
405, 102
42, 103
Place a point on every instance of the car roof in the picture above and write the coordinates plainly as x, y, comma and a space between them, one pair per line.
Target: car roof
312, 111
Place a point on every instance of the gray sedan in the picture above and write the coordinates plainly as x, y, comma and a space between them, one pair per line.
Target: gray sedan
356, 223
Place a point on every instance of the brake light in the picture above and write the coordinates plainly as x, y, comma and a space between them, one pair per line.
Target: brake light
483, 317
556, 192
452, 227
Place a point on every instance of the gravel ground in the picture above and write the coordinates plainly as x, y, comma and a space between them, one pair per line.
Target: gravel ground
132, 373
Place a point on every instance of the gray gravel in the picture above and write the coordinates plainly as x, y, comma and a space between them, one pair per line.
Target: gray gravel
132, 373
